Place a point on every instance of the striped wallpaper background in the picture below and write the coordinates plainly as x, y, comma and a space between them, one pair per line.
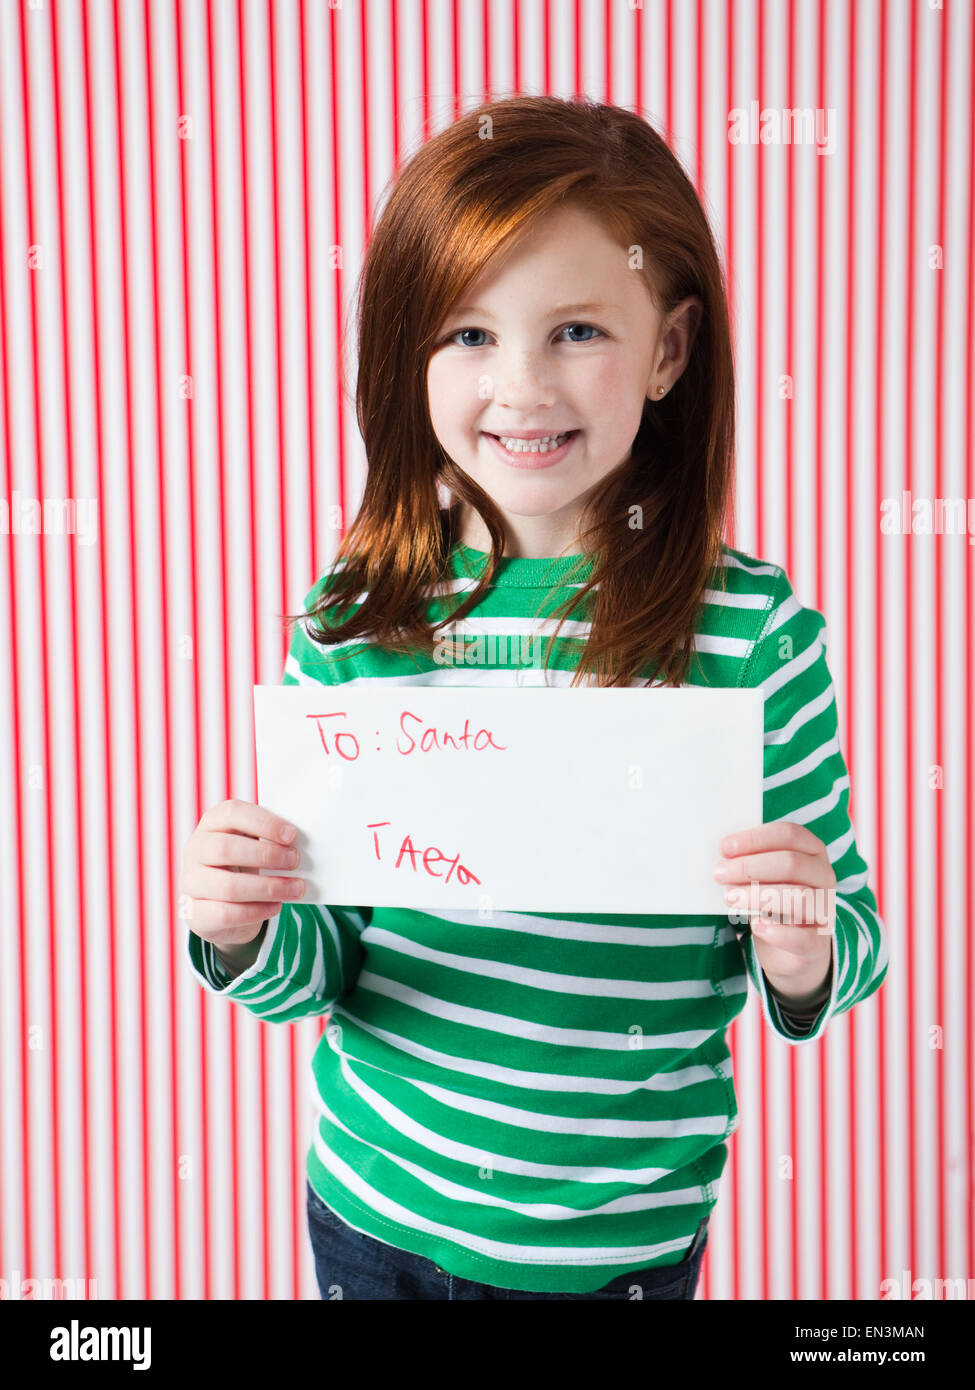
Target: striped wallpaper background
185, 193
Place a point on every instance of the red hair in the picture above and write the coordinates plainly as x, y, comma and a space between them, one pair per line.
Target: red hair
466, 194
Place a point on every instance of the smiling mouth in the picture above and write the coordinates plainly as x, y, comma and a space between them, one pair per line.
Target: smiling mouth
546, 445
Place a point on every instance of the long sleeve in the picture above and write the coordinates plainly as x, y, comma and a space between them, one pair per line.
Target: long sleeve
311, 954
805, 779
309, 958
803, 1020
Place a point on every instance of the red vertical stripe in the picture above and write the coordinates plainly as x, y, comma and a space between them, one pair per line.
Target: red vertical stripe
69, 446
699, 101
937, 1054
760, 548
882, 588
669, 70
798, 1175
425, 66
608, 11
198, 806
108, 703
337, 241
298, 1155
824, 1132
909, 380
280, 605
136, 657
14, 699
310, 297
577, 91
394, 83
40, 446
969, 611
637, 58
733, 1170
175, 944
246, 203
228, 779
853, 144
13, 590
364, 112
730, 101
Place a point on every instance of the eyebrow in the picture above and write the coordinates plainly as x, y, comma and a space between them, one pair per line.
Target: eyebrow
559, 309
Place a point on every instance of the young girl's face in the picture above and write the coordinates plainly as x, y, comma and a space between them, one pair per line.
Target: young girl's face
561, 337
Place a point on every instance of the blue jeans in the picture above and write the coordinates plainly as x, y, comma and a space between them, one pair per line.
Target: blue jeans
349, 1264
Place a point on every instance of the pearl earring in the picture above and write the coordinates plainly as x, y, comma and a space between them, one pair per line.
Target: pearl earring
660, 390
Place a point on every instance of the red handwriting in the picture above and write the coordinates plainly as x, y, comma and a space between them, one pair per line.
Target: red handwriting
342, 734
431, 856
430, 740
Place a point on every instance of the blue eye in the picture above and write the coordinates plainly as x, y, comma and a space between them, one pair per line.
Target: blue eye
466, 330
580, 325
588, 326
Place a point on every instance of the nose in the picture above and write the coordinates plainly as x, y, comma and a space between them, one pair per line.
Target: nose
523, 381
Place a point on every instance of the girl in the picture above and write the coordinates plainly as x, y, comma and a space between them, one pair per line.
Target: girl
528, 1105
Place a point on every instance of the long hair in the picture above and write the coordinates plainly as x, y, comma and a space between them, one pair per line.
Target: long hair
467, 194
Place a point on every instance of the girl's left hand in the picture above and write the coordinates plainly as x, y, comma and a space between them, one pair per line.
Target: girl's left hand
790, 883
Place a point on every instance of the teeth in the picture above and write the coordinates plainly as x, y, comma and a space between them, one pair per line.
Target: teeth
533, 446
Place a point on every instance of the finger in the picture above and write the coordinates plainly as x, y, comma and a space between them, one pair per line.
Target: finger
225, 849
211, 919
791, 904
778, 866
772, 835
783, 950
248, 819
225, 886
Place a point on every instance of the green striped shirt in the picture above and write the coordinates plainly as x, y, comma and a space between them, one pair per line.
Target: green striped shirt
484, 1096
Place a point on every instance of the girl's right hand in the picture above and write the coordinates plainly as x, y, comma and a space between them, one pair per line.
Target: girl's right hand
229, 902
